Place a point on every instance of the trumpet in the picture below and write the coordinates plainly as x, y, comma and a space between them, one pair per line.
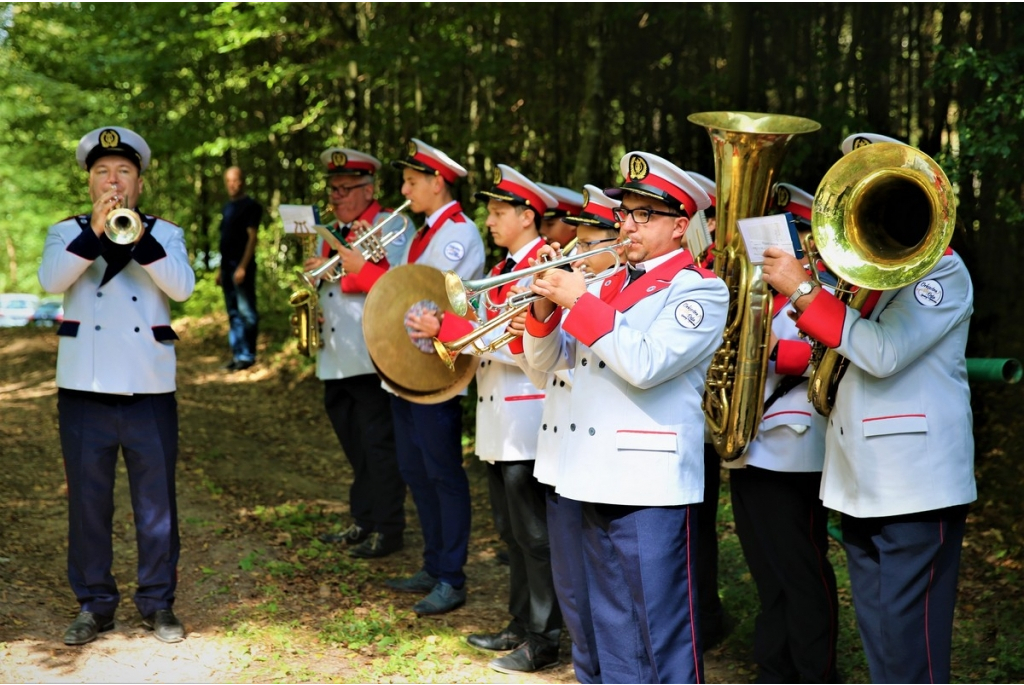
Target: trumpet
370, 244
460, 292
517, 303
123, 226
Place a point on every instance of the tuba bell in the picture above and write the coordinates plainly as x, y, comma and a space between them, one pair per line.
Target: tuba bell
748, 149
882, 218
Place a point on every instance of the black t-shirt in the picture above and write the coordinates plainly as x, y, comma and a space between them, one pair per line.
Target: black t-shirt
236, 217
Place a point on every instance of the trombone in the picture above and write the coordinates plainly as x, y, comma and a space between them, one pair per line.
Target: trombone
514, 305
373, 251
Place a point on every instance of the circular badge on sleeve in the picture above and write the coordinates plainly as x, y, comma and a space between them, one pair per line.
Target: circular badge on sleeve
454, 251
399, 239
689, 314
928, 293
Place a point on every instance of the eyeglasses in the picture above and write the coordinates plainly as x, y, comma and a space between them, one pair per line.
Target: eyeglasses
641, 215
345, 191
588, 246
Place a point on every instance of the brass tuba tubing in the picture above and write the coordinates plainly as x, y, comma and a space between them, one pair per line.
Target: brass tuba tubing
748, 149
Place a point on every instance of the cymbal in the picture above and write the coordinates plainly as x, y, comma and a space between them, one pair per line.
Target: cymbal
434, 397
398, 361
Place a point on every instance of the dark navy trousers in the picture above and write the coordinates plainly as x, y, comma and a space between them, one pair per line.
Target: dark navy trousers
93, 427
903, 574
640, 571
428, 443
565, 531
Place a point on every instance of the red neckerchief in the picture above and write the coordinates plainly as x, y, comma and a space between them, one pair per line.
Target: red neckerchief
657, 279
501, 292
420, 242
369, 215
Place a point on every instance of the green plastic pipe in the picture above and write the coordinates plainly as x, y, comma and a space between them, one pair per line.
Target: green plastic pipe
985, 369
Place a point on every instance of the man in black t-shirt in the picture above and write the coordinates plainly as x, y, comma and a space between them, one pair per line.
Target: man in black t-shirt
240, 220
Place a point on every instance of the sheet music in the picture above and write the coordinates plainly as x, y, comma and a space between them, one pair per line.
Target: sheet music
698, 237
298, 219
761, 232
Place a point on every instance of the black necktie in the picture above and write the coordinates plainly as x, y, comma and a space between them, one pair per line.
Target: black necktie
635, 272
507, 266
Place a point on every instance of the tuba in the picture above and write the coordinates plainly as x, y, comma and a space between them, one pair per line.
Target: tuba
882, 218
748, 149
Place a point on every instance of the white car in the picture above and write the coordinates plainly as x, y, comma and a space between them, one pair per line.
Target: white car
16, 309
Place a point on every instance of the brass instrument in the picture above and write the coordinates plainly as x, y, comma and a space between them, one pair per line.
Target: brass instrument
882, 218
749, 149
410, 373
516, 303
306, 319
371, 244
123, 226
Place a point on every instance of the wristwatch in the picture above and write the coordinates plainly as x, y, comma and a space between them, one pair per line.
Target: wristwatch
804, 288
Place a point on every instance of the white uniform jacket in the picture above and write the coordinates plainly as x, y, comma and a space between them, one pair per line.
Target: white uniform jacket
116, 336
900, 438
554, 426
344, 353
791, 436
510, 401
639, 358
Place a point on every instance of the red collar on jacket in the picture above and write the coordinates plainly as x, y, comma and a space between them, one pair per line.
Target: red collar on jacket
655, 280
369, 215
420, 242
499, 294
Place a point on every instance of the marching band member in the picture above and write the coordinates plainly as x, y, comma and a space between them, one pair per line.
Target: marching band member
428, 437
116, 385
780, 520
507, 422
594, 226
899, 454
553, 225
639, 344
356, 404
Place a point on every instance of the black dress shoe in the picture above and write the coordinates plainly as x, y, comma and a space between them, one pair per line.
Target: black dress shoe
165, 626
352, 535
377, 545
230, 366
528, 657
86, 627
510, 638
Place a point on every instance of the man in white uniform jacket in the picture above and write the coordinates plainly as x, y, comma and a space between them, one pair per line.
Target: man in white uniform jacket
115, 380
640, 350
899, 454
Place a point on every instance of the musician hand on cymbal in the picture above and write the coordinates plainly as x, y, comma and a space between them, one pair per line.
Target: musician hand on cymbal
784, 272
351, 260
424, 326
561, 287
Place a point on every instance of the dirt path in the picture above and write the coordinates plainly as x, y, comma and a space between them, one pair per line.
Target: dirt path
260, 474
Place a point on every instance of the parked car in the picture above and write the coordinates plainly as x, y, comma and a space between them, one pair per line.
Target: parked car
16, 309
49, 313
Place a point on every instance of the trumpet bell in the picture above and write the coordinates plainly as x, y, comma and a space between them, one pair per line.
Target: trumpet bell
883, 216
123, 226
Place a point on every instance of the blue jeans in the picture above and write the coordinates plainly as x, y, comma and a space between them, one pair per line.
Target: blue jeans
243, 319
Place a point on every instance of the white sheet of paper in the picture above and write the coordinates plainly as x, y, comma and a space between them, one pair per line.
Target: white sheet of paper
761, 232
300, 219
698, 237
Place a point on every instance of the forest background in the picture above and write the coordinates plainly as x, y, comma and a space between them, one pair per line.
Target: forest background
558, 91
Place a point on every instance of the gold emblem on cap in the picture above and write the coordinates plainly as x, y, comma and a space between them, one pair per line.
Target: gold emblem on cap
638, 168
413, 149
586, 197
339, 159
109, 138
497, 175
860, 141
782, 196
